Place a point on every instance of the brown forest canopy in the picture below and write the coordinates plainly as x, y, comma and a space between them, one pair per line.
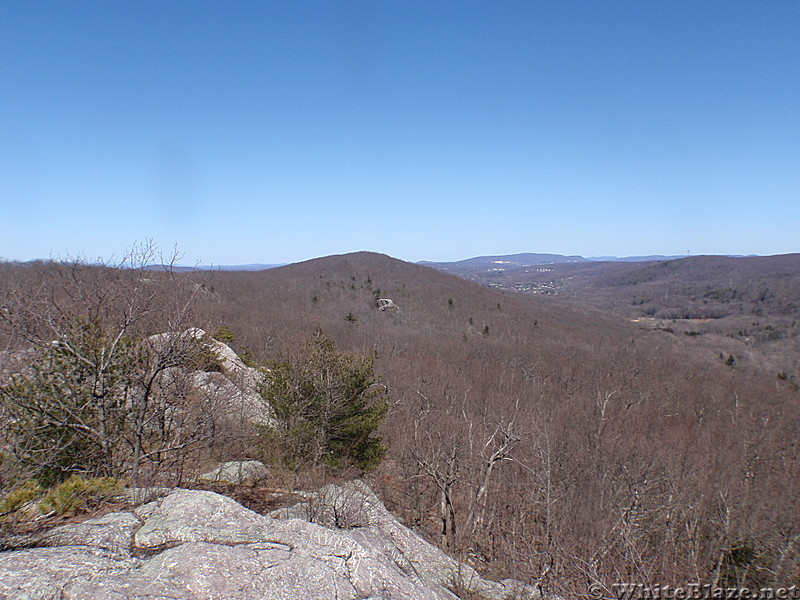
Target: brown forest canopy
547, 439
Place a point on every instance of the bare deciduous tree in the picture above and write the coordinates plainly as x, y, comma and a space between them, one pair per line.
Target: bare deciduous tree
98, 391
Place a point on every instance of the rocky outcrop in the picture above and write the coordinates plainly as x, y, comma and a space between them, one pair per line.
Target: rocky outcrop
237, 471
192, 545
356, 508
385, 304
232, 391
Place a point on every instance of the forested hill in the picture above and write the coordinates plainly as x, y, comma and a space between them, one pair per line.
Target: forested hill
635, 443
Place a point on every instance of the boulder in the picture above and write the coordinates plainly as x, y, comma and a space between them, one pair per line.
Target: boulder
233, 392
385, 304
140, 495
238, 471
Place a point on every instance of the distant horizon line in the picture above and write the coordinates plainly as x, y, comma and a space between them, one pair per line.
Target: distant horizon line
632, 258
254, 266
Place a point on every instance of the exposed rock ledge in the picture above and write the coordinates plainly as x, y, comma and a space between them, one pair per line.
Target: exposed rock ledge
190, 545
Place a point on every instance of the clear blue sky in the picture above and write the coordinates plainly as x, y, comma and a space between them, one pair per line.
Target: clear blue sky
279, 131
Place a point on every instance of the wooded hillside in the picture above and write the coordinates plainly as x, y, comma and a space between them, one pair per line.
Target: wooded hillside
541, 437
546, 437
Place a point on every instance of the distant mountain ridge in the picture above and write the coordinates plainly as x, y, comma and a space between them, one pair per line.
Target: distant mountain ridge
503, 261
249, 267
185, 269
477, 263
527, 259
636, 258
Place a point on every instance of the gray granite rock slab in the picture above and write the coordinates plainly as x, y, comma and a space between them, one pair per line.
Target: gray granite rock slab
41, 573
113, 532
198, 545
199, 516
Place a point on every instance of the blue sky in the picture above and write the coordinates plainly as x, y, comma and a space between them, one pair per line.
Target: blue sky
274, 132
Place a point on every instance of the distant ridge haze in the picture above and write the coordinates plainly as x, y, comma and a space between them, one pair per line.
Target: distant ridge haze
511, 260
479, 263
249, 267
527, 259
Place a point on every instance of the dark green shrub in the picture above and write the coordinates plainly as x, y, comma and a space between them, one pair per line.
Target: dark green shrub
328, 405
